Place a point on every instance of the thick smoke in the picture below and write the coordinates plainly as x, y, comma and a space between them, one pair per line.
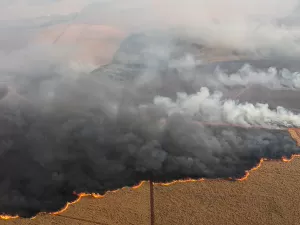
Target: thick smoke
64, 132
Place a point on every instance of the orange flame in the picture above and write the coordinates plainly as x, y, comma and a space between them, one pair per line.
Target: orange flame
254, 168
94, 195
180, 181
284, 159
8, 217
294, 133
68, 204
139, 185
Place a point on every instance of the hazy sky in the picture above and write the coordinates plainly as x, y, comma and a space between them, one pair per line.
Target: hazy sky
24, 9
240, 24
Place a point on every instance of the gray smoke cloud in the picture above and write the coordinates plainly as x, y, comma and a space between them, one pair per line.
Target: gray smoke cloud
148, 113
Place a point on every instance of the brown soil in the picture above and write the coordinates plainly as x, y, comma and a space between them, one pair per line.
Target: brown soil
268, 196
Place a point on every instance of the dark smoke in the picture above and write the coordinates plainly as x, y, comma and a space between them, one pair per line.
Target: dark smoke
93, 133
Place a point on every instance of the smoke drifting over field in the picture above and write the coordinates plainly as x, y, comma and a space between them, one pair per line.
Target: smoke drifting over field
145, 115
64, 132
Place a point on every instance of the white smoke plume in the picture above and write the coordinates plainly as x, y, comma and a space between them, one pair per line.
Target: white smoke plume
210, 107
247, 75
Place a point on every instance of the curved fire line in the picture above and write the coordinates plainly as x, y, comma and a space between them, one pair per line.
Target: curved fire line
294, 133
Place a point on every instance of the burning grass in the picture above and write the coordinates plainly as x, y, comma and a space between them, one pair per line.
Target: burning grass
294, 133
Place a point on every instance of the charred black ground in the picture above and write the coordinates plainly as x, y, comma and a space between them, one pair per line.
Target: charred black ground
91, 134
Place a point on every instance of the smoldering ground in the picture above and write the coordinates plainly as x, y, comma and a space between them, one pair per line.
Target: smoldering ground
64, 132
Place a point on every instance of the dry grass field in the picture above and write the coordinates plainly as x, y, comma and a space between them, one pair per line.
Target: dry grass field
269, 196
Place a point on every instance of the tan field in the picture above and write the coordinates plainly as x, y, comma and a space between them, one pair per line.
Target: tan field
94, 44
268, 196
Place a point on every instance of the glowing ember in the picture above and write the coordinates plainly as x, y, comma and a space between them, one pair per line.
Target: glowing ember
68, 204
7, 217
139, 185
94, 195
288, 160
254, 168
180, 181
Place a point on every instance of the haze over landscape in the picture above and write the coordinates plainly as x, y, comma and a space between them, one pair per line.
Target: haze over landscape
100, 95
